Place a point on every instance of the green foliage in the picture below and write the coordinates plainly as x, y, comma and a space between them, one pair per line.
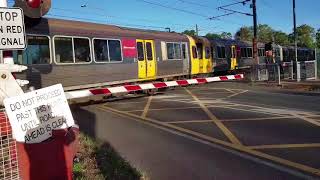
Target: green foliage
281, 38
189, 32
99, 160
212, 36
318, 39
306, 35
265, 33
223, 35
226, 35
244, 34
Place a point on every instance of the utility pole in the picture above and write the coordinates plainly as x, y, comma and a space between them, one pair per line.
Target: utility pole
197, 30
255, 39
295, 40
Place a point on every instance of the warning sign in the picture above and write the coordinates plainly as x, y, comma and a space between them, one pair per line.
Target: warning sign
12, 32
34, 115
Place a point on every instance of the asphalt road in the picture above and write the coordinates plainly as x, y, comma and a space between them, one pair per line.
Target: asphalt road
213, 131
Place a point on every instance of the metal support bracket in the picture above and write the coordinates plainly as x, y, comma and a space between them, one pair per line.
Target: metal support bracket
9, 86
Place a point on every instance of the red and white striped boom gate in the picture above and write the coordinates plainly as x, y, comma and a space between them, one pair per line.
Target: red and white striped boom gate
149, 86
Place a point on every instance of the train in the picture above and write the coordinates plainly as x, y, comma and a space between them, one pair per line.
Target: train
83, 55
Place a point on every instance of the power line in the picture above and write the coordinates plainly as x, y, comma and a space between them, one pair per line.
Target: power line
216, 17
193, 3
173, 8
234, 11
99, 21
137, 19
235, 3
230, 11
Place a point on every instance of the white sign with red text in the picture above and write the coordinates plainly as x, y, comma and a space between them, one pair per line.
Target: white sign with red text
12, 30
34, 115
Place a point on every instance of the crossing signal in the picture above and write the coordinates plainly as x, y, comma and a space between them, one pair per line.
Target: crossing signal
34, 8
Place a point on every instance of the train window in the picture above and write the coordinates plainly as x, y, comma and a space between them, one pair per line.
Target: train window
244, 53
106, 50
72, 50
37, 51
170, 50
149, 51
194, 52
101, 50
140, 51
221, 52
261, 52
81, 50
174, 51
200, 50
208, 53
115, 50
63, 49
250, 54
177, 51
277, 53
184, 51
213, 52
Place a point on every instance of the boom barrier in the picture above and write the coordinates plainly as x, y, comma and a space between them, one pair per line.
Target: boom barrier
148, 86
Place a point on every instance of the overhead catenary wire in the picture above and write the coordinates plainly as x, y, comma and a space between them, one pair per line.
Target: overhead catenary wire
173, 8
108, 17
112, 16
137, 19
99, 21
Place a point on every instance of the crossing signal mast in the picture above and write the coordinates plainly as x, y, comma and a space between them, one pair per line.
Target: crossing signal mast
33, 11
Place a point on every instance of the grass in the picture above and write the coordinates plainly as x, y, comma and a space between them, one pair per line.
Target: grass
97, 160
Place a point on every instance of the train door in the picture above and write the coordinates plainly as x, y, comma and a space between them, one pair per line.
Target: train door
200, 57
233, 58
194, 63
185, 56
146, 59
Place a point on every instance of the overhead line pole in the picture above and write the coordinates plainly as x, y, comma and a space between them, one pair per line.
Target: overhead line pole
295, 38
197, 30
255, 38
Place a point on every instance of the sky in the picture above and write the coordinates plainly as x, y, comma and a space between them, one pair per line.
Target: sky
179, 15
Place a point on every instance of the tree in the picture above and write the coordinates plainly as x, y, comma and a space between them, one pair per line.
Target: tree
318, 38
305, 36
281, 38
212, 36
226, 35
244, 34
189, 32
265, 33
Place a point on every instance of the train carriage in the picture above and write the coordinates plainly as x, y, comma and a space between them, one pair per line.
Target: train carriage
84, 55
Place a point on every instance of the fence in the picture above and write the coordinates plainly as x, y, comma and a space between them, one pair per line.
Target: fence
308, 70
304, 70
8, 151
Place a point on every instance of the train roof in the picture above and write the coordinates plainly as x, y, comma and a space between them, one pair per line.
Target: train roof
229, 42
51, 26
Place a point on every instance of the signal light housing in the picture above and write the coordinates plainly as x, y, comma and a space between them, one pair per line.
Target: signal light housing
34, 8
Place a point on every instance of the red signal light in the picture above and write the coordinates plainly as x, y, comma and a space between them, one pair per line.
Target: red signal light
34, 3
